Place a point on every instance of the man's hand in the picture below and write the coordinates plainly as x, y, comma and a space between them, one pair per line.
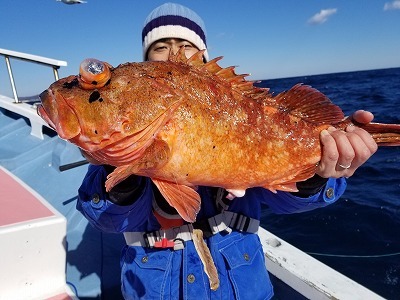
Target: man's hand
343, 152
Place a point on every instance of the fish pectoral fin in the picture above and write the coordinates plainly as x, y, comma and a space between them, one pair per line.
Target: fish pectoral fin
152, 158
183, 198
118, 175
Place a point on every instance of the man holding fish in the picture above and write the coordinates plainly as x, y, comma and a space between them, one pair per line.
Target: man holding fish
165, 257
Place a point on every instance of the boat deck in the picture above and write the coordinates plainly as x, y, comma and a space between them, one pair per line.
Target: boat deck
32, 235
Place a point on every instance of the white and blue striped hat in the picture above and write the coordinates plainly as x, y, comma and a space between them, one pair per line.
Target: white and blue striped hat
172, 20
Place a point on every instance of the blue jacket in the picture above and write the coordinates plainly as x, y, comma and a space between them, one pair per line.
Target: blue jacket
149, 273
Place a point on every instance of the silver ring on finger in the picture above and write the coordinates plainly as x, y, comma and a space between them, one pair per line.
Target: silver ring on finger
344, 167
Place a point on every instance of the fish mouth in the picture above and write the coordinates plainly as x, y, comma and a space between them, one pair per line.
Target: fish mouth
55, 111
43, 114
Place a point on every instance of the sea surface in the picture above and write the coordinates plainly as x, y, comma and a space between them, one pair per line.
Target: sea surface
359, 235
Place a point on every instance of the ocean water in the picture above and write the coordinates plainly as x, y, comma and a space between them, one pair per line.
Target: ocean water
359, 235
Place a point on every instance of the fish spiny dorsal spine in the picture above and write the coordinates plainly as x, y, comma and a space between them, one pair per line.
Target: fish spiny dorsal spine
228, 73
179, 57
238, 82
212, 65
196, 59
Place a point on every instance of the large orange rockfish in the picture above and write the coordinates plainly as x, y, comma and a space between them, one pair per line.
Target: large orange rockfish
184, 123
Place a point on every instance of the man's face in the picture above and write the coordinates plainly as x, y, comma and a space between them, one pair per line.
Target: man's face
159, 51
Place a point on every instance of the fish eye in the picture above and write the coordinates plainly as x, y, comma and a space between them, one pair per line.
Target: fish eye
93, 74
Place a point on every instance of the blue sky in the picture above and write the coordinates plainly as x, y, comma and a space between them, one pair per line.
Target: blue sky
267, 39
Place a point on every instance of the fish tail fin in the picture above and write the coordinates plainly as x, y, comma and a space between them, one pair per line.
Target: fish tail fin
383, 134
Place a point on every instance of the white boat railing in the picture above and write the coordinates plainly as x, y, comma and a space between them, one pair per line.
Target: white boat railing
307, 275
55, 64
15, 105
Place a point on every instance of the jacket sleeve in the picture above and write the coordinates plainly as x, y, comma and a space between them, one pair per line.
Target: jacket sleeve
111, 212
288, 203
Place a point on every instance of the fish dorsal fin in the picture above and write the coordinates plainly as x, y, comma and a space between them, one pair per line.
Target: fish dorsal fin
238, 81
180, 56
183, 198
196, 59
212, 65
308, 103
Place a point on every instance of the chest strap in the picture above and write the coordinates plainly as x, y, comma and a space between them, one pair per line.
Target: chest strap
176, 236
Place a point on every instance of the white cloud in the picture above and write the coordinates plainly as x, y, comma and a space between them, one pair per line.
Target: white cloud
322, 16
392, 5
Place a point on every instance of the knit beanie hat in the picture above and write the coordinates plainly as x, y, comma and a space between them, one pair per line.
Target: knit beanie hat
172, 20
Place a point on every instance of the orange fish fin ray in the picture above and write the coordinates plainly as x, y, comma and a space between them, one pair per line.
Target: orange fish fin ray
288, 183
263, 93
308, 103
183, 198
180, 56
286, 187
305, 173
212, 66
237, 81
133, 146
196, 59
118, 175
228, 73
153, 157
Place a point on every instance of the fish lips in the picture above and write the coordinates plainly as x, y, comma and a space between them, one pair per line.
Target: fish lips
55, 111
